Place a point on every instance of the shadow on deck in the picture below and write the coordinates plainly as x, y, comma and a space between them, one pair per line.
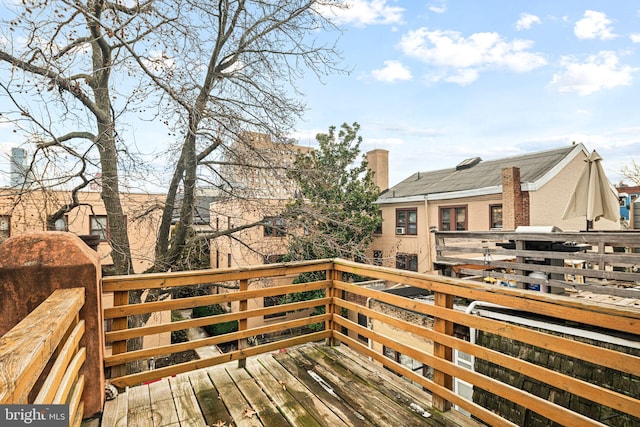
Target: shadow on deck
307, 385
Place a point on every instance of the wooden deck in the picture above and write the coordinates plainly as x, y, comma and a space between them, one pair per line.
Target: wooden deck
308, 385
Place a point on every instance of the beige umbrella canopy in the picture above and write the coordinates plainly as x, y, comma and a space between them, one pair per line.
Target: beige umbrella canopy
593, 196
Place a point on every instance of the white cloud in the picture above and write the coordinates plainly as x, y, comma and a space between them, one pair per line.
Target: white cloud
598, 72
594, 25
361, 13
635, 37
526, 21
438, 6
461, 59
392, 71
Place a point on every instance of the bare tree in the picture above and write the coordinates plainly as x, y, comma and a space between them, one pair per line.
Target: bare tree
631, 171
82, 72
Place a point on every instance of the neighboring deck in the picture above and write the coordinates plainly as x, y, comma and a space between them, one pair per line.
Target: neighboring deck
307, 385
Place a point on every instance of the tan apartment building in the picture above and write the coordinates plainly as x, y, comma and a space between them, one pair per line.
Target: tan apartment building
527, 190
255, 173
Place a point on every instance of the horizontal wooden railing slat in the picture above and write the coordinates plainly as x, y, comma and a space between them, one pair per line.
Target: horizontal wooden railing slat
182, 278
134, 379
191, 302
51, 384
563, 382
209, 320
26, 349
620, 361
130, 356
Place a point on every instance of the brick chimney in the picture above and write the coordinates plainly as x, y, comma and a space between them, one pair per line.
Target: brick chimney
515, 202
378, 160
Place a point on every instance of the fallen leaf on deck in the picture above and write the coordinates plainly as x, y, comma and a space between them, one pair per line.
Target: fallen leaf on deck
220, 423
248, 413
283, 384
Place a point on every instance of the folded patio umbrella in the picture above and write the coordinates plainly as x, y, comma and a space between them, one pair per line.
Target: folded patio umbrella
593, 196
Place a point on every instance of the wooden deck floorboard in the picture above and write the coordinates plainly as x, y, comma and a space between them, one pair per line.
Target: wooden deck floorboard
308, 385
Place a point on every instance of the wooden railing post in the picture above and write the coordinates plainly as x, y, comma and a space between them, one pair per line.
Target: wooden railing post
32, 267
242, 323
444, 327
331, 308
120, 298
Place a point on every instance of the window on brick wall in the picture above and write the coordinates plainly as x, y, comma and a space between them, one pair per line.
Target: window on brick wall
407, 262
378, 229
495, 216
407, 221
453, 218
274, 227
99, 227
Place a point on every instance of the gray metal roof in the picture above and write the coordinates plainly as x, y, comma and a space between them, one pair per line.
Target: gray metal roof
533, 166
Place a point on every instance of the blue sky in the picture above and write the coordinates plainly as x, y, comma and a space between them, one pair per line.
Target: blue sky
438, 81
435, 82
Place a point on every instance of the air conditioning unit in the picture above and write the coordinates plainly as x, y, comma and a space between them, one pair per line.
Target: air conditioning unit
399, 230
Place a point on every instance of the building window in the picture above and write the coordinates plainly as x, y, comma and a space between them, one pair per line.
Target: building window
377, 257
229, 260
495, 216
378, 229
407, 262
62, 224
273, 301
453, 218
407, 221
5, 227
99, 227
274, 227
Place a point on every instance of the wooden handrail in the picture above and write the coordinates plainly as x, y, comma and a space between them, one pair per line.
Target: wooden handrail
27, 349
442, 316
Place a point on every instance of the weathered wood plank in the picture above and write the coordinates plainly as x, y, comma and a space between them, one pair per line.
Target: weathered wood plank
382, 379
186, 403
258, 400
290, 408
163, 407
139, 407
387, 382
378, 409
299, 369
301, 393
210, 401
238, 406
115, 411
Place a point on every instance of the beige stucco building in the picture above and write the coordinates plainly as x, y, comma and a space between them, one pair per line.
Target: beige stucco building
527, 190
255, 173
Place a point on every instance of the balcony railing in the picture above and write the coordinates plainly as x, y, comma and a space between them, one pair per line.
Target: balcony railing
429, 331
597, 262
40, 365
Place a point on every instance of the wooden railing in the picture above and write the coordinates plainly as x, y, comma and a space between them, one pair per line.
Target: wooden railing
428, 331
40, 358
599, 262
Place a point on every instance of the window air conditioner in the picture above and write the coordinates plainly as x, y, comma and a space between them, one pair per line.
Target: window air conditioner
399, 230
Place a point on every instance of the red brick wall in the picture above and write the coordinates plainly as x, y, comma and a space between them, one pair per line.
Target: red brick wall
515, 202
